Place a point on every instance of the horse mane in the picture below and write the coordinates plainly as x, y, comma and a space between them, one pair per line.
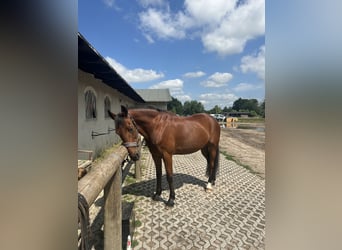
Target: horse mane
167, 112
163, 111
151, 107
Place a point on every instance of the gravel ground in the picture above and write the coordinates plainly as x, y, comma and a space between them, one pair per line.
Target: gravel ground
246, 144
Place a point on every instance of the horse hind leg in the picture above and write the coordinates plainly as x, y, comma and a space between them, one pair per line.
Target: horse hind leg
205, 153
210, 183
213, 164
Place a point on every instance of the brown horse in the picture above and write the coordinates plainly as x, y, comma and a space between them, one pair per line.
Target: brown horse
167, 134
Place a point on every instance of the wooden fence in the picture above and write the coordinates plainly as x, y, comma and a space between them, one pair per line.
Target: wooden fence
106, 176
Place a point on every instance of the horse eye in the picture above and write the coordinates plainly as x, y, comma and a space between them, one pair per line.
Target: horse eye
130, 130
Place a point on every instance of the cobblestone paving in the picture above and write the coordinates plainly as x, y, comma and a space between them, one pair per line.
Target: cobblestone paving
230, 217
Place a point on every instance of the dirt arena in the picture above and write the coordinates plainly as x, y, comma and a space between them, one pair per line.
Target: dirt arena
246, 144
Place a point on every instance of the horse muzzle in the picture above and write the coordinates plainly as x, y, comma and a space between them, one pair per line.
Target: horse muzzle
135, 156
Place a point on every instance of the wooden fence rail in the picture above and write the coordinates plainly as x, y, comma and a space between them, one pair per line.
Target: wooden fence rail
107, 176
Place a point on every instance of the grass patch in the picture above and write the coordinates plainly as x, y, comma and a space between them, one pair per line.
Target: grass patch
129, 180
101, 155
251, 120
127, 198
232, 158
142, 166
137, 223
134, 243
228, 157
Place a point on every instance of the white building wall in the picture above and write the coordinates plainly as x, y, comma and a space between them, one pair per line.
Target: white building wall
101, 124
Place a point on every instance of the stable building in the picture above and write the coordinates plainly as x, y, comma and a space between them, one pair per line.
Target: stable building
154, 98
100, 88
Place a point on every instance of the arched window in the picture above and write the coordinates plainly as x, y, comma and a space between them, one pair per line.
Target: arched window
90, 103
106, 106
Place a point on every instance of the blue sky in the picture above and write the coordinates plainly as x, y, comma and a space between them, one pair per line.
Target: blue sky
209, 51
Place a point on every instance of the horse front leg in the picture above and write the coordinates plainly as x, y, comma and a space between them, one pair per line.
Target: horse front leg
158, 164
169, 176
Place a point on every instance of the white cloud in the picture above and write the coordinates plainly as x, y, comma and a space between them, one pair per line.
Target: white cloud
223, 26
209, 100
212, 84
176, 89
208, 12
246, 87
217, 80
175, 83
109, 3
134, 75
244, 23
149, 38
254, 63
194, 74
183, 98
221, 77
175, 86
163, 24
146, 3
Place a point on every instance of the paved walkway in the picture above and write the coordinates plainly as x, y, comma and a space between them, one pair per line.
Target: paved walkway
230, 217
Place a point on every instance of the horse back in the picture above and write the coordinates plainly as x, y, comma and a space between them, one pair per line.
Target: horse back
186, 134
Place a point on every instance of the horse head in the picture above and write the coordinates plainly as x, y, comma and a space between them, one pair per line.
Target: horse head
126, 128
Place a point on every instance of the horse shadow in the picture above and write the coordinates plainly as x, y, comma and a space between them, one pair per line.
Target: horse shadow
141, 188
148, 187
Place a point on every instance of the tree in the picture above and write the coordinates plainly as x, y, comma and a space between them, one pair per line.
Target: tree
227, 110
215, 110
192, 107
175, 106
237, 104
262, 109
246, 105
253, 113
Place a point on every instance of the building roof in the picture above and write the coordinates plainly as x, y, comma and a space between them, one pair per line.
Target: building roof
155, 95
90, 61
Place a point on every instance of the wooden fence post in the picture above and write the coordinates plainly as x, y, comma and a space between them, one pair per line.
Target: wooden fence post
138, 169
106, 175
113, 213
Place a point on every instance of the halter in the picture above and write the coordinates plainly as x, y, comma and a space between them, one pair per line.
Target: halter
132, 144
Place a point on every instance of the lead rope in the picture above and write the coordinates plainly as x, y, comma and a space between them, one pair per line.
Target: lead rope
83, 217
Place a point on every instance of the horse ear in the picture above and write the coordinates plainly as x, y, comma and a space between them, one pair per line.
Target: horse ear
111, 115
124, 110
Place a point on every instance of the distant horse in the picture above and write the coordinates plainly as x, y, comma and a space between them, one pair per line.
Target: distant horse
167, 134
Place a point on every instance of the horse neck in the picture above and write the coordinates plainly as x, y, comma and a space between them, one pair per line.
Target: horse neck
143, 118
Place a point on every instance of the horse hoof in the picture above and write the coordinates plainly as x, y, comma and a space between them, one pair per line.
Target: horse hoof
156, 197
170, 203
209, 187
